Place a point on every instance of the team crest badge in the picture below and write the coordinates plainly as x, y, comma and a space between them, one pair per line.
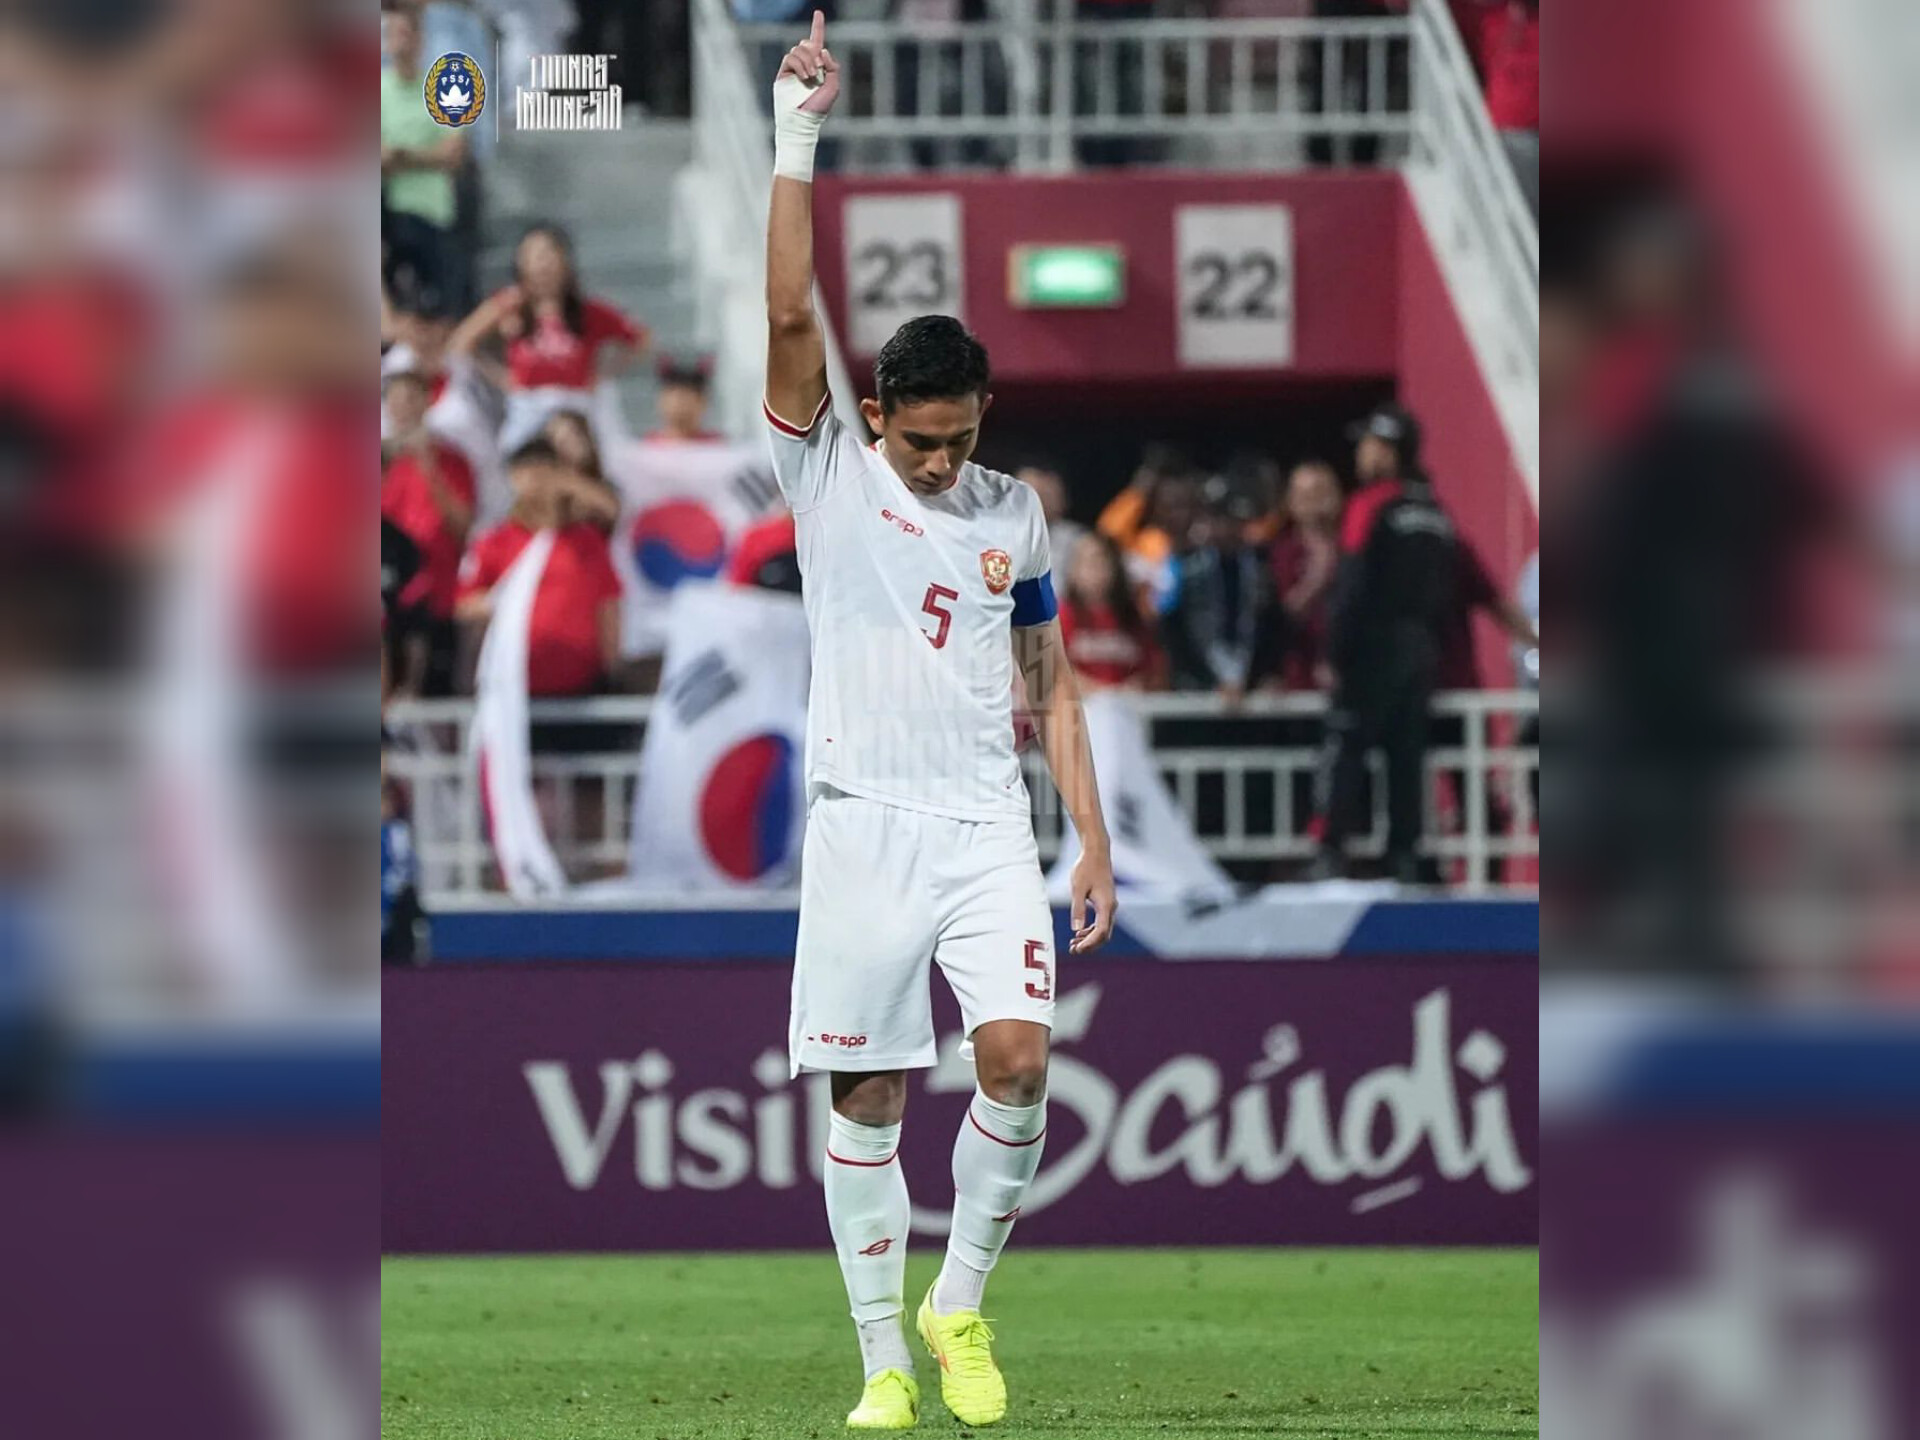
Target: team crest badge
997, 566
456, 90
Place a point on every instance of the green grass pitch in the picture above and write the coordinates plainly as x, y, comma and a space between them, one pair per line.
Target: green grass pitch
1174, 1344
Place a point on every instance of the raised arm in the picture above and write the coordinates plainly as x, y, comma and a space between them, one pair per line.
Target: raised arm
803, 93
485, 319
1053, 699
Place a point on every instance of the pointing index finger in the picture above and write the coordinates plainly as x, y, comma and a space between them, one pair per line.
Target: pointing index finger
819, 35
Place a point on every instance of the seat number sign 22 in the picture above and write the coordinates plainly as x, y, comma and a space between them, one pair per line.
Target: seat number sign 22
1234, 289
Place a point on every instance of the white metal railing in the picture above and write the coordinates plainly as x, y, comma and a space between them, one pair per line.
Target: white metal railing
1242, 769
721, 228
1026, 89
1483, 231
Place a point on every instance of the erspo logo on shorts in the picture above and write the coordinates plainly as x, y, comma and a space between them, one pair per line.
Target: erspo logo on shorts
845, 1042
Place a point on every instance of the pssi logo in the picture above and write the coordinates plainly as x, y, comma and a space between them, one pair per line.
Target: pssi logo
907, 527
456, 90
845, 1042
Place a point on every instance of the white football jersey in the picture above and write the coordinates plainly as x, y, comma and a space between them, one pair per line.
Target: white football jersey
910, 601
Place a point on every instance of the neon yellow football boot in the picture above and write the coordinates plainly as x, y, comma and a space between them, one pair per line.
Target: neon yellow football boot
970, 1382
891, 1401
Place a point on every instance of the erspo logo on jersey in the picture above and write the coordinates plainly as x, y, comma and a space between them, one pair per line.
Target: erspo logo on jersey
907, 527
456, 90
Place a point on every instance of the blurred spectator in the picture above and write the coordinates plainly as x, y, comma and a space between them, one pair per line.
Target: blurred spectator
1349, 91
767, 556
399, 563
400, 912
428, 492
575, 635
1253, 478
1394, 591
528, 28
1526, 658
1219, 623
1107, 638
1509, 54
1475, 589
680, 403
1696, 519
463, 406
1153, 515
1063, 534
1526, 598
572, 439
418, 162
1128, 63
925, 24
284, 423
554, 335
1304, 559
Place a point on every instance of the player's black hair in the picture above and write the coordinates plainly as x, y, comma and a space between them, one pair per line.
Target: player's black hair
932, 357
537, 451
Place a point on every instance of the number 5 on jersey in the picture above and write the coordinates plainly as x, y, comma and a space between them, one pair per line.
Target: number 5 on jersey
932, 605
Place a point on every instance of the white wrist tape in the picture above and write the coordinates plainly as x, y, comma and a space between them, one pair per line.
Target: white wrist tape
795, 131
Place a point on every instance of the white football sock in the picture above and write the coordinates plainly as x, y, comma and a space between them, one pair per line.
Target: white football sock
994, 1161
868, 1214
883, 1346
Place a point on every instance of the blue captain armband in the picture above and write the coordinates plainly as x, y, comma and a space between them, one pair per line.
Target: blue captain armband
1033, 602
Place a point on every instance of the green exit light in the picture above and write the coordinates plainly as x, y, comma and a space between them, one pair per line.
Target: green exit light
1067, 276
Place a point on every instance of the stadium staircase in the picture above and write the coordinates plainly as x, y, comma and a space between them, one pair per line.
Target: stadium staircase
610, 192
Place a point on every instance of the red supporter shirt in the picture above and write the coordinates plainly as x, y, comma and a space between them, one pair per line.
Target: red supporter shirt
563, 650
554, 355
767, 541
406, 498
293, 110
1362, 510
72, 352
1510, 54
1102, 649
1307, 633
1459, 669
308, 576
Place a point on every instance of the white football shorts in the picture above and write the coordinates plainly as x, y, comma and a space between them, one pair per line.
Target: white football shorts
883, 890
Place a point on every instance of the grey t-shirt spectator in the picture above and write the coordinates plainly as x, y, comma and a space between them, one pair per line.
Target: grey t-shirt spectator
1526, 593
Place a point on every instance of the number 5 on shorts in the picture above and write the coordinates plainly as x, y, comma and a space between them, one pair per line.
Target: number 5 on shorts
1036, 960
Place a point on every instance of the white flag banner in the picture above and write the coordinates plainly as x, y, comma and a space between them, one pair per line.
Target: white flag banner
685, 504
194, 738
499, 739
721, 802
1154, 848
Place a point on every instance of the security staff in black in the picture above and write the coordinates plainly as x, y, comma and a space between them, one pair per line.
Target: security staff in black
1391, 596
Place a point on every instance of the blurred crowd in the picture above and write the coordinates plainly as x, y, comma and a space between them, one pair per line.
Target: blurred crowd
1228, 581
1304, 77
